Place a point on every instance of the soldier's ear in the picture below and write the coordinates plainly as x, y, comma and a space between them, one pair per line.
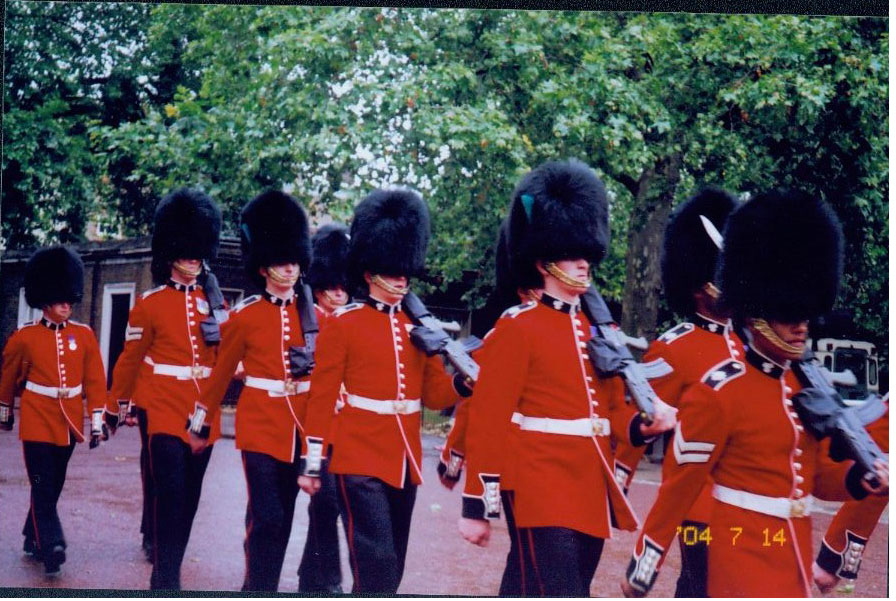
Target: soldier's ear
367, 277
539, 265
263, 272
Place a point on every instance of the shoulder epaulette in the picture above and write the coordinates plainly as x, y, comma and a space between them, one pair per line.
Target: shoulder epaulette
519, 309
722, 373
27, 323
152, 291
673, 334
249, 300
347, 308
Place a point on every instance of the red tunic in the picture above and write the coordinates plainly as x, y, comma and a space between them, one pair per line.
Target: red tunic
164, 326
59, 356
535, 364
738, 426
366, 348
675, 361
455, 443
849, 531
259, 333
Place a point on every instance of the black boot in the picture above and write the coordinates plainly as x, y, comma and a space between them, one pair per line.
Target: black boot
54, 559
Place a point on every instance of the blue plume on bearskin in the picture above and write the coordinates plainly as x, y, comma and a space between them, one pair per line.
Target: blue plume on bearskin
559, 211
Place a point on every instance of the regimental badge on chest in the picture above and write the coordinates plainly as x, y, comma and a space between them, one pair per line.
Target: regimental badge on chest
72, 343
202, 305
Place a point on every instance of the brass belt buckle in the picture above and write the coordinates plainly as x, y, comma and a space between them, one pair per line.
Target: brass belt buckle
62, 393
798, 508
598, 427
290, 387
400, 406
197, 372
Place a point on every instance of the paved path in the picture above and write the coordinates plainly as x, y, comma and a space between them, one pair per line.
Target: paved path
100, 511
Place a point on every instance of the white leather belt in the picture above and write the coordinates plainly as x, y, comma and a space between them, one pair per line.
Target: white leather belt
384, 407
182, 372
586, 426
278, 388
53, 392
779, 507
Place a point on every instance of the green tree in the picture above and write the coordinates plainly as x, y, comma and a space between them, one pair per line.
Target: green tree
331, 102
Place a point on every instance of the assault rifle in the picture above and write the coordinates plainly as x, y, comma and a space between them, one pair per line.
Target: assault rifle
610, 355
825, 414
211, 327
432, 339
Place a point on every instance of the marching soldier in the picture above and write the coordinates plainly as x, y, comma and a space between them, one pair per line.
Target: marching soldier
319, 570
266, 332
840, 554
510, 289
780, 266
172, 329
680, 357
376, 449
535, 373
55, 362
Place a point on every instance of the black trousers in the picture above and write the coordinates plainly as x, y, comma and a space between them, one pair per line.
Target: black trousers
564, 561
46, 464
177, 475
377, 520
149, 493
319, 570
273, 487
694, 553
518, 579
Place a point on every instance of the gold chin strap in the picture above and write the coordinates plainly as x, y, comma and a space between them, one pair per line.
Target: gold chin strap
531, 294
761, 326
282, 279
564, 277
190, 273
712, 290
378, 281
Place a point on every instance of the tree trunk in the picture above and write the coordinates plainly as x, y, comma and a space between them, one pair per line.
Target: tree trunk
653, 203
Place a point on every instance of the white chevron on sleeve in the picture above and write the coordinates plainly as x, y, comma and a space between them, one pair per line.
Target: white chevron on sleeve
690, 452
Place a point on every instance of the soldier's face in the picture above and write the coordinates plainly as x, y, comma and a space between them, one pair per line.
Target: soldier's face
380, 293
281, 278
794, 334
577, 269
332, 298
58, 312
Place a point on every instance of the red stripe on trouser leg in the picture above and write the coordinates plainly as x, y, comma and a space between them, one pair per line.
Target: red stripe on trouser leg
350, 533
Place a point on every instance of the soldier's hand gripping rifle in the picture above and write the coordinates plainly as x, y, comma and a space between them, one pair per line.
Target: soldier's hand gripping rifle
430, 337
211, 327
825, 414
610, 355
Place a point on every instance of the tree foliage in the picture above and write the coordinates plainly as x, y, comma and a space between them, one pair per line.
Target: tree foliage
332, 102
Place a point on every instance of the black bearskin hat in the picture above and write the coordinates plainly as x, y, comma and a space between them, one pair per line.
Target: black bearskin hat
689, 254
329, 258
558, 211
782, 258
54, 275
187, 226
273, 231
389, 235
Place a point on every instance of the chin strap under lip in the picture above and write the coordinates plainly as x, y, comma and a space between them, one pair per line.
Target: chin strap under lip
564, 277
